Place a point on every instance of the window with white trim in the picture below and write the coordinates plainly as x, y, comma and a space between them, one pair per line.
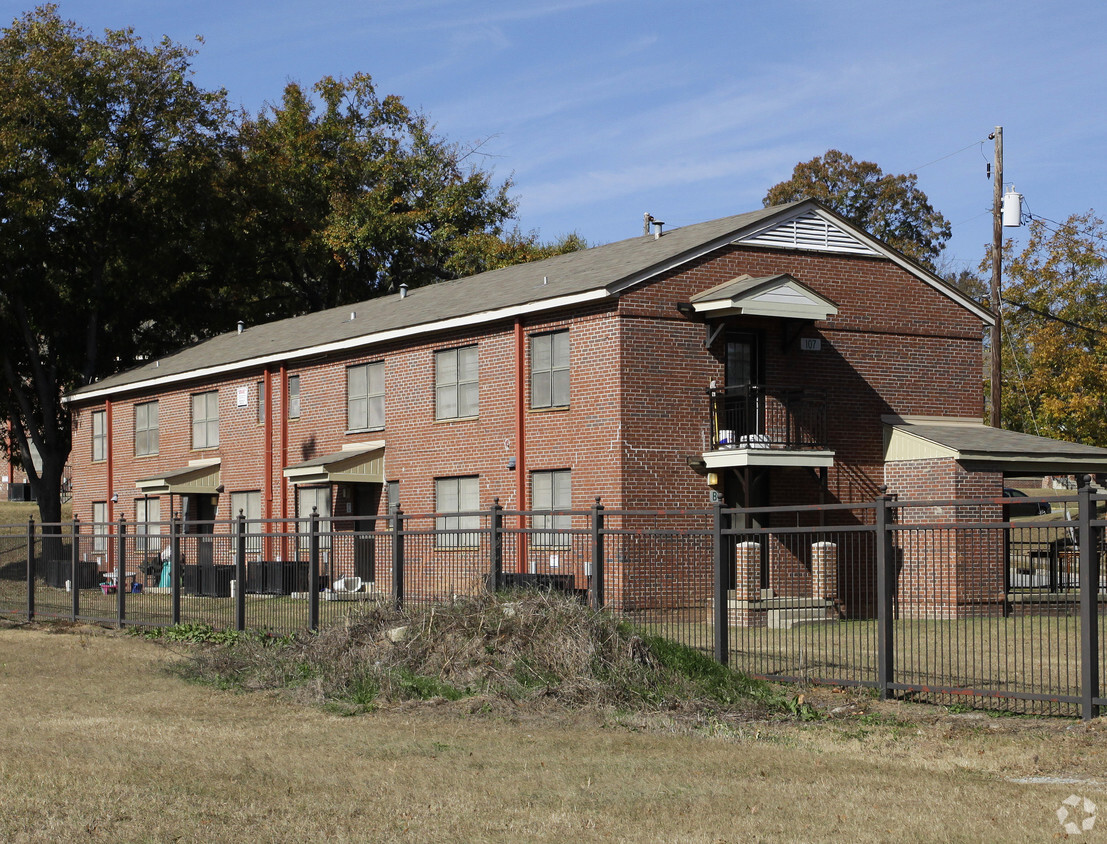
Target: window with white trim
551, 491
205, 419
456, 383
365, 396
248, 504
293, 396
99, 526
146, 428
455, 499
146, 527
549, 370
99, 435
319, 499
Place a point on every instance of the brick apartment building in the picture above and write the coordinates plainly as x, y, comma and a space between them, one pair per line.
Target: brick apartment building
781, 356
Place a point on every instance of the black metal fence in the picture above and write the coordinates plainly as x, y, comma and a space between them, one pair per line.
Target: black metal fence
945, 601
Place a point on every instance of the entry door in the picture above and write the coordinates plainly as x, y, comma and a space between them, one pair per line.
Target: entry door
744, 405
205, 516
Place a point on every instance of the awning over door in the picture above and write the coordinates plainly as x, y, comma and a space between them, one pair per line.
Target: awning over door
775, 296
200, 476
356, 463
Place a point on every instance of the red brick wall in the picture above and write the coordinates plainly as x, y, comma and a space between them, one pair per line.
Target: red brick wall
638, 406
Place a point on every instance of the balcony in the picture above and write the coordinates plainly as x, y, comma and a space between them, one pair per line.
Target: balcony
755, 425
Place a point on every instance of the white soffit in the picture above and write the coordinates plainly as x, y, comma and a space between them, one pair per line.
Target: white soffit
809, 231
774, 296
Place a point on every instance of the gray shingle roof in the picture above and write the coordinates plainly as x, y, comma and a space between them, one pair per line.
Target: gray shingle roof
600, 268
980, 439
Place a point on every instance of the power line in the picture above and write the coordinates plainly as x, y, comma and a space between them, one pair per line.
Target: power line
950, 155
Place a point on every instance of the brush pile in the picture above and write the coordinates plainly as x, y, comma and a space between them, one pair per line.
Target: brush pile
530, 646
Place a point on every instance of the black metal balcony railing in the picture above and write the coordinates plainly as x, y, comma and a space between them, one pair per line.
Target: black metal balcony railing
755, 416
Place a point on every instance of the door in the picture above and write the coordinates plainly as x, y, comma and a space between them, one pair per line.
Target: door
743, 378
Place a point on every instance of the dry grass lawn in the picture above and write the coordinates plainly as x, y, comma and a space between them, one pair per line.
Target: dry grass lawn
100, 743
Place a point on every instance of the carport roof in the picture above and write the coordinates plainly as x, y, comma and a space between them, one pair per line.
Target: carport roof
981, 448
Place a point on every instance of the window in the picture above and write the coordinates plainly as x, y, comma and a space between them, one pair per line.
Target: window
249, 504
551, 491
293, 396
549, 370
99, 435
318, 497
147, 516
452, 498
205, 420
261, 401
393, 490
455, 383
100, 526
365, 396
146, 428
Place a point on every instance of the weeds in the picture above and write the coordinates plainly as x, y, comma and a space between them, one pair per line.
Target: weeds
521, 647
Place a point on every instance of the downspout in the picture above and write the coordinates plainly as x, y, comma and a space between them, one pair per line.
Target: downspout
268, 435
284, 460
520, 446
109, 449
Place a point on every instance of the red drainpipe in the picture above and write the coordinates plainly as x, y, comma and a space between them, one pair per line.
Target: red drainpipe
284, 459
111, 480
520, 444
267, 377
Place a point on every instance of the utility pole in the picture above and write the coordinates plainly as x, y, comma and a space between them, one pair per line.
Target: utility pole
997, 247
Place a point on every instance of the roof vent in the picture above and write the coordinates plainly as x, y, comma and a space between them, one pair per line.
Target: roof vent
647, 221
241, 326
657, 224
353, 315
403, 290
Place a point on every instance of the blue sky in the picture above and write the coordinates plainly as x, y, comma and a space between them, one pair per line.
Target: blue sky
601, 110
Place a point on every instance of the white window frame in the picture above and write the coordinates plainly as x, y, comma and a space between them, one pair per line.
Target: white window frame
294, 396
99, 436
551, 490
455, 500
248, 502
146, 526
549, 369
320, 498
100, 527
457, 383
146, 432
205, 426
365, 400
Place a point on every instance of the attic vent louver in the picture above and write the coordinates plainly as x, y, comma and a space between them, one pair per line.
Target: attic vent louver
809, 231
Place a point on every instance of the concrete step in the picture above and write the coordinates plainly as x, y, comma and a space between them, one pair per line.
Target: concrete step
789, 617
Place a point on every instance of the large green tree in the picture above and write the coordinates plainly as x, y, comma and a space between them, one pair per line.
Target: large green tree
108, 157
891, 207
1055, 331
350, 193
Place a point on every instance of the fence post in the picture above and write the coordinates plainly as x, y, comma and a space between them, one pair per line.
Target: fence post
240, 573
885, 584
722, 628
496, 544
75, 565
397, 519
597, 556
1089, 602
30, 568
121, 570
176, 569
313, 572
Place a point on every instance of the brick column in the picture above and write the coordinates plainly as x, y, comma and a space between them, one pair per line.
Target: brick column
747, 564
824, 570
